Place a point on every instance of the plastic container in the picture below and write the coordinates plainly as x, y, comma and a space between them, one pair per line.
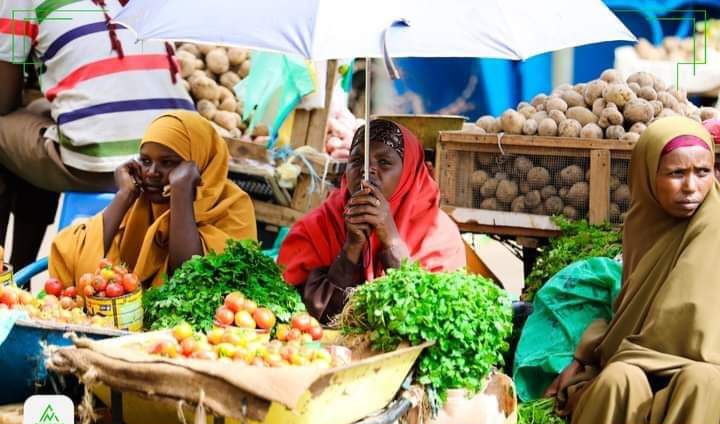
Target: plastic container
125, 311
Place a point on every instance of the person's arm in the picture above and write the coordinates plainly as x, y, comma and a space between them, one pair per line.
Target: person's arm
128, 192
184, 236
11, 94
325, 291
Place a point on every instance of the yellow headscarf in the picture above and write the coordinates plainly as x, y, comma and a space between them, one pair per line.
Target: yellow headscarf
665, 314
222, 209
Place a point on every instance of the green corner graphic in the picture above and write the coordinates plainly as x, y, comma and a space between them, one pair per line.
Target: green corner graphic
49, 415
705, 18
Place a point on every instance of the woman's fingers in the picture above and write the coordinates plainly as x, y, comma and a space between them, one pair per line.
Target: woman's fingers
362, 210
370, 220
364, 199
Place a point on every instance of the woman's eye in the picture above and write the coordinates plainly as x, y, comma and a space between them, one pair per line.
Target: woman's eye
169, 163
145, 162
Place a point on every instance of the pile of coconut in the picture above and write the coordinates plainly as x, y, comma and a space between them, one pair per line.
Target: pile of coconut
607, 108
210, 74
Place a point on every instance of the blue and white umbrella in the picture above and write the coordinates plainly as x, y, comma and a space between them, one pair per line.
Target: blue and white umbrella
333, 29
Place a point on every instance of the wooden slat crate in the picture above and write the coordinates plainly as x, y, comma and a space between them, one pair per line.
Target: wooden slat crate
586, 179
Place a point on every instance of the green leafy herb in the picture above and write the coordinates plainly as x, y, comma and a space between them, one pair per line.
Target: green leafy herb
467, 316
579, 240
541, 411
198, 287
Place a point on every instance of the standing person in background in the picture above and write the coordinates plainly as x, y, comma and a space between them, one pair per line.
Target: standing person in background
103, 90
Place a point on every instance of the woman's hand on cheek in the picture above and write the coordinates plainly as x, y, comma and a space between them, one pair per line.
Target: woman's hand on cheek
185, 176
127, 179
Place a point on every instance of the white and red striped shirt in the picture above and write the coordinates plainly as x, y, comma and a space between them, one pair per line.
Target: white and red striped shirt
104, 93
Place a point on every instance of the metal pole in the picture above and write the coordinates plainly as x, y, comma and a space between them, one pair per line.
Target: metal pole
368, 91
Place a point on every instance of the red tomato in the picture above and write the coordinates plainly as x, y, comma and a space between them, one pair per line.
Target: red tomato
302, 322
182, 331
243, 319
105, 263
89, 291
108, 274
235, 301
264, 318
316, 333
224, 316
120, 269
67, 302
9, 297
130, 282
250, 306
50, 300
294, 334
188, 346
114, 290
215, 336
99, 283
70, 291
282, 332
85, 280
53, 286
25, 297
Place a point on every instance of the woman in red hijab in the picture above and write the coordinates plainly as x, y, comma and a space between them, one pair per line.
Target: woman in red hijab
363, 228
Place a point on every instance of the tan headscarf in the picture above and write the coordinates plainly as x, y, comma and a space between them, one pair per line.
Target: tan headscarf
222, 209
665, 315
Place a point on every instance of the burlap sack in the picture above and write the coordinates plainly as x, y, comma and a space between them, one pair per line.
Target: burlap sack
228, 389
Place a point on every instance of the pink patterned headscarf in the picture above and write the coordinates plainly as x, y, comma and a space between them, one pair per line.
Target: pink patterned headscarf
683, 141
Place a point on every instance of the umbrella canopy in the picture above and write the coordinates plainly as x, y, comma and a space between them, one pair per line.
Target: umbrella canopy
331, 29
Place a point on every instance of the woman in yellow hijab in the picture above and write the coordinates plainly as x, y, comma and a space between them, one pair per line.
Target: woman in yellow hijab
181, 172
658, 359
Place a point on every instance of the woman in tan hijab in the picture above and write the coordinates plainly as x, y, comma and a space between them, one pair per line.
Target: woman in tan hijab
181, 172
658, 359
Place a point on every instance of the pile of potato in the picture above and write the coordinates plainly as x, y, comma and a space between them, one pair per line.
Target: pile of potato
209, 74
675, 49
543, 185
609, 107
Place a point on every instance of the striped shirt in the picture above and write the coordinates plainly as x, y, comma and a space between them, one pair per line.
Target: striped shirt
101, 102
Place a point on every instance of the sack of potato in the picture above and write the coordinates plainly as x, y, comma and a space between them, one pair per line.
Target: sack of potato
609, 107
209, 74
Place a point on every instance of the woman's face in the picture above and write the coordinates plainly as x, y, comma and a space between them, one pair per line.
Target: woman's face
156, 162
385, 168
684, 177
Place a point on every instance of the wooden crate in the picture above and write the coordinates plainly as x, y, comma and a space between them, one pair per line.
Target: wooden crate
462, 153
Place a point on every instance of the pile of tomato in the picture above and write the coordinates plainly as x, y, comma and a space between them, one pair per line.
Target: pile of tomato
251, 347
108, 280
55, 303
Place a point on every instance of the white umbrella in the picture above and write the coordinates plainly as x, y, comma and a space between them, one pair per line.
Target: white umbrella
331, 29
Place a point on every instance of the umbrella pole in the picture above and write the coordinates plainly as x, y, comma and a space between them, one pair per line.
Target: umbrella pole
366, 159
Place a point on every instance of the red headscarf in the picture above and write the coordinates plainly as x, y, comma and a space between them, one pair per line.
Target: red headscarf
431, 237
